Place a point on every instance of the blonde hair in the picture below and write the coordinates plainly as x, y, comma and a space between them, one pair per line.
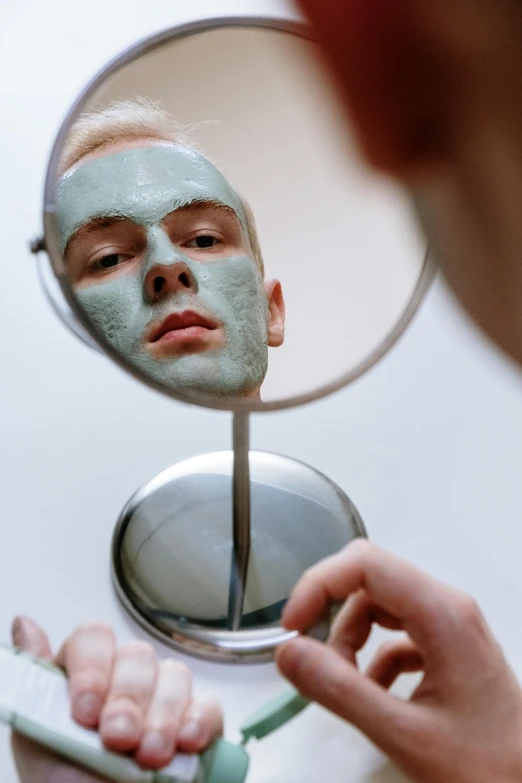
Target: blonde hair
134, 120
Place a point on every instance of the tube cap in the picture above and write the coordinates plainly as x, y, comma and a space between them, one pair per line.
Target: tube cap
224, 762
273, 715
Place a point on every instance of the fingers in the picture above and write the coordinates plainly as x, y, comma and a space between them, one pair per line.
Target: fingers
87, 657
28, 636
203, 724
394, 658
353, 624
138, 704
324, 676
397, 588
166, 708
130, 693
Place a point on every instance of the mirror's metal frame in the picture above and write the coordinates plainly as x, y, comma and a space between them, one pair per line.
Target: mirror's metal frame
50, 244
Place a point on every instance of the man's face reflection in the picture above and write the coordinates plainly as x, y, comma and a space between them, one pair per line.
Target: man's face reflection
157, 246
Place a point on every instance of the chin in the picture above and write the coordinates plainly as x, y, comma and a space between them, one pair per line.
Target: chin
213, 373
220, 390
254, 395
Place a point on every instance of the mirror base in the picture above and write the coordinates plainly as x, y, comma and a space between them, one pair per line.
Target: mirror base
172, 551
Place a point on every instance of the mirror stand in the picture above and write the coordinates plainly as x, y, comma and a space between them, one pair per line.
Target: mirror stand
206, 554
240, 518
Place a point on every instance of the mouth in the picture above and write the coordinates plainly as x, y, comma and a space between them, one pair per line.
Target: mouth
181, 328
182, 322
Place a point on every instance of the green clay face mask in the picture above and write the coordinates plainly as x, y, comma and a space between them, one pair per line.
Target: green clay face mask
144, 186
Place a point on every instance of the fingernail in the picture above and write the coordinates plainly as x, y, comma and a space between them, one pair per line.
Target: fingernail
87, 706
155, 742
17, 632
191, 731
119, 726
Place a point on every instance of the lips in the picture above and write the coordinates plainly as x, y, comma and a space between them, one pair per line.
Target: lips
178, 322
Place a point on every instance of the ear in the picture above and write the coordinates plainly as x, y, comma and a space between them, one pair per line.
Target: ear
276, 310
393, 76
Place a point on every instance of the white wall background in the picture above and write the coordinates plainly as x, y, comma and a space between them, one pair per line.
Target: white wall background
427, 445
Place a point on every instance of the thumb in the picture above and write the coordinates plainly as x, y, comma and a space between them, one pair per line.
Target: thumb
29, 637
322, 675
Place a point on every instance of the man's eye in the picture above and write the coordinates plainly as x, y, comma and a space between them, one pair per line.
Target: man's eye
109, 261
203, 241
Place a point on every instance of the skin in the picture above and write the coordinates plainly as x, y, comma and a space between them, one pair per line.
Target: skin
434, 92
139, 704
150, 231
463, 723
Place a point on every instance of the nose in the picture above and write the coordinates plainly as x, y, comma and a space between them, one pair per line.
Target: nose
165, 279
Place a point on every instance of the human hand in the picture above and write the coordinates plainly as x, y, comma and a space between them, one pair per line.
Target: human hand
463, 723
140, 705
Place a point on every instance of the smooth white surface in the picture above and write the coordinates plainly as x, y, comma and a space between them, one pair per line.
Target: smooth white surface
428, 445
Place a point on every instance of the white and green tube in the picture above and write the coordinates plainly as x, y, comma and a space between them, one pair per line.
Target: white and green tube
34, 700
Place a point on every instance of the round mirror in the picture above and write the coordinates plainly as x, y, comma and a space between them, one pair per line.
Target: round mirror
211, 227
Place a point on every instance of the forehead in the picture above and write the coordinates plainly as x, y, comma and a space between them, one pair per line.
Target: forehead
142, 184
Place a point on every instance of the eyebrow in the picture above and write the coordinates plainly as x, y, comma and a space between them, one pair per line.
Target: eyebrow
200, 205
96, 224
100, 223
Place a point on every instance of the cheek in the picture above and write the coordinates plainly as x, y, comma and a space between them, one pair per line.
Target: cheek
234, 291
115, 308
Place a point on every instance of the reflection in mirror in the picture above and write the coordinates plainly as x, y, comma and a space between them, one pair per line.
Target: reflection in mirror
163, 254
158, 184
